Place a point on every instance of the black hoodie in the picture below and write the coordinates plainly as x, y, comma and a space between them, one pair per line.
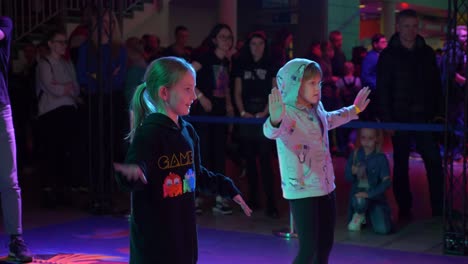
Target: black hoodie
162, 224
408, 83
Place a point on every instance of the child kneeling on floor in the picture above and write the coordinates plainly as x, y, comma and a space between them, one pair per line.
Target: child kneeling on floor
368, 171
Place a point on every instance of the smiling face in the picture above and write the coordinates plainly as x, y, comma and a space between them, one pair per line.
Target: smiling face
310, 91
180, 96
58, 44
223, 40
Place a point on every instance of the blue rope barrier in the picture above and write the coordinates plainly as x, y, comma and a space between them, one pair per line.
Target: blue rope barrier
352, 124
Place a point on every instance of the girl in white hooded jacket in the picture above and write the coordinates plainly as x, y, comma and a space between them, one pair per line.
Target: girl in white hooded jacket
300, 126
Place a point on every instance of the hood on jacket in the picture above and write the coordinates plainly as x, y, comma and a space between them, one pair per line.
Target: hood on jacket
289, 79
396, 42
164, 121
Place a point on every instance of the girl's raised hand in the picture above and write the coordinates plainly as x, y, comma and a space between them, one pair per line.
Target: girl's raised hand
131, 171
238, 199
275, 106
361, 101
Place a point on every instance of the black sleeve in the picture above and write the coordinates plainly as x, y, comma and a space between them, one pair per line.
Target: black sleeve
6, 26
236, 68
140, 152
384, 86
209, 182
434, 74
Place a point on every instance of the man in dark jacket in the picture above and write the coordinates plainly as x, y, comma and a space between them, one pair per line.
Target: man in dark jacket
409, 91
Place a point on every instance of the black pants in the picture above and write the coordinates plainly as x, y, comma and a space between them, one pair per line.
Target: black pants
260, 148
315, 219
427, 146
57, 135
105, 140
213, 138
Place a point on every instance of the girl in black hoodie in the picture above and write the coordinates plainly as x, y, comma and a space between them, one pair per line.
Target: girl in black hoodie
163, 167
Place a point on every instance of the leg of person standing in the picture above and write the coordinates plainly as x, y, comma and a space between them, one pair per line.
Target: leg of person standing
250, 155
9, 188
265, 149
401, 184
430, 153
315, 223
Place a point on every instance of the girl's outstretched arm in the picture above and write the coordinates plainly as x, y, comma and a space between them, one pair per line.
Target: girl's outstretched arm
212, 183
131, 172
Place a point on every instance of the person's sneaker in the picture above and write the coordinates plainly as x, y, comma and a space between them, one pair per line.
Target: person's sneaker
19, 251
356, 222
222, 206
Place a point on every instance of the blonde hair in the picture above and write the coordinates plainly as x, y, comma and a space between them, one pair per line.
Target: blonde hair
165, 71
311, 70
378, 137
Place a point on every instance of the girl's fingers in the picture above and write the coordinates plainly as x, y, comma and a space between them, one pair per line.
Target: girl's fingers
118, 167
366, 103
143, 178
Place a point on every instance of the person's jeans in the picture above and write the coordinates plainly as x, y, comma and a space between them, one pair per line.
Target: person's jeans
378, 214
9, 188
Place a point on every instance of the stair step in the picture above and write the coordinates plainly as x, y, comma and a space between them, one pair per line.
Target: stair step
74, 17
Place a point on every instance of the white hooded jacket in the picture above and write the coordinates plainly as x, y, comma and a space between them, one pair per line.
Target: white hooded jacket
303, 149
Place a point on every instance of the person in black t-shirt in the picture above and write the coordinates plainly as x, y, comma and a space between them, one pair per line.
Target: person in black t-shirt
253, 75
214, 99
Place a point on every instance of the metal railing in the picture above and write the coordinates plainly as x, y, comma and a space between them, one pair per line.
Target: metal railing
29, 15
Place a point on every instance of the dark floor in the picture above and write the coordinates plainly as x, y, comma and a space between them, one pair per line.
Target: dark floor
412, 242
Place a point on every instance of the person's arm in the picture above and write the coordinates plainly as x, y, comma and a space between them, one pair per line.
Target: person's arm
132, 175
437, 86
346, 114
47, 81
6, 27
384, 87
204, 101
340, 117
238, 98
460, 79
278, 123
209, 182
368, 70
76, 86
384, 179
212, 183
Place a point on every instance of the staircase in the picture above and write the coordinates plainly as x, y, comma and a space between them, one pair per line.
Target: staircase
33, 18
